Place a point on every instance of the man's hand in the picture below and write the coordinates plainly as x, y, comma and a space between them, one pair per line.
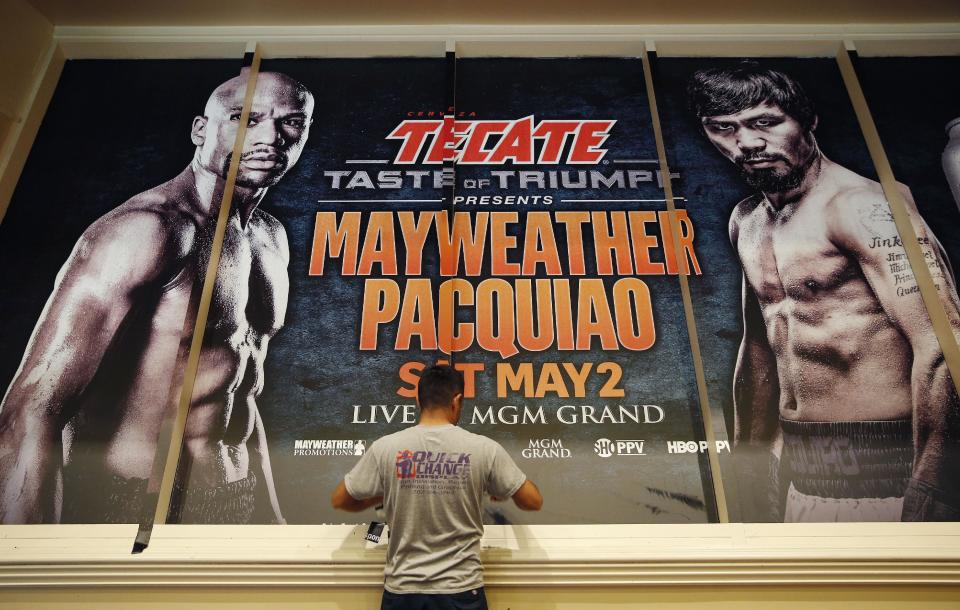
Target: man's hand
342, 500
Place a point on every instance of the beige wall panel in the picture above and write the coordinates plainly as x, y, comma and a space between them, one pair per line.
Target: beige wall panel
725, 598
208, 597
25, 42
24, 38
507, 47
880, 47
592, 598
159, 48
284, 12
19, 140
349, 47
6, 123
785, 45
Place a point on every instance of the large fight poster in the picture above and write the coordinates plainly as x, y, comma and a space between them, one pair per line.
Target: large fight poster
818, 350
103, 246
550, 280
525, 239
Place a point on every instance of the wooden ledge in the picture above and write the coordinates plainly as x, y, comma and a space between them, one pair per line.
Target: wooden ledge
521, 556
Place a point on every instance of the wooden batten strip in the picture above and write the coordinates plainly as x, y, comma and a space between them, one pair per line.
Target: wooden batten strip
718, 490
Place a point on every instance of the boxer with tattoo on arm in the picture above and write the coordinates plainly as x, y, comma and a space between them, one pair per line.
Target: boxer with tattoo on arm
840, 377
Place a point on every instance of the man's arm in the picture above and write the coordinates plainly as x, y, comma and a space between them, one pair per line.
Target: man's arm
342, 500
941, 271
259, 442
932, 494
528, 497
506, 479
366, 480
92, 295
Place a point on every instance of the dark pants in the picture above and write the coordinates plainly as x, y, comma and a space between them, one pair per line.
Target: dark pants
468, 600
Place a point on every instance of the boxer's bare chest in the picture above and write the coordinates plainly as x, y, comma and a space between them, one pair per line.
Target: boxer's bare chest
788, 258
249, 296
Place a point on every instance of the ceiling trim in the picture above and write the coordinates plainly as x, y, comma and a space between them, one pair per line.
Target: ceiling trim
472, 40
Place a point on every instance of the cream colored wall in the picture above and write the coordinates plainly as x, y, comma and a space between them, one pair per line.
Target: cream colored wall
507, 12
26, 46
24, 37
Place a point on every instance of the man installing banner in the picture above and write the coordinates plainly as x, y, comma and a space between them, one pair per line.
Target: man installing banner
431, 479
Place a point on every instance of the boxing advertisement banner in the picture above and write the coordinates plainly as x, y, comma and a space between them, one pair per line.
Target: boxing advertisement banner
521, 234
552, 286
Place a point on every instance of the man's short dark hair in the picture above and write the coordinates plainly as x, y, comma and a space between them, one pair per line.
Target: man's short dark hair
438, 385
718, 91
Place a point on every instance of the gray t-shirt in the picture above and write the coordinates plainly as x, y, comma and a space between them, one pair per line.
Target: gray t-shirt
433, 480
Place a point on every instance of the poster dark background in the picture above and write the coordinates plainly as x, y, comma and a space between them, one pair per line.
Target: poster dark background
659, 486
315, 372
912, 99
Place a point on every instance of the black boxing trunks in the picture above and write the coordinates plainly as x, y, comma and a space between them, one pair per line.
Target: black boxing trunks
846, 471
101, 498
228, 503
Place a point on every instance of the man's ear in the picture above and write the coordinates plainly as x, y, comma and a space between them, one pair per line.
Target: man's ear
198, 131
457, 406
816, 121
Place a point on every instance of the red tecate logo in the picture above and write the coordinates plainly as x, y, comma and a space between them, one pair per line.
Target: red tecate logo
497, 142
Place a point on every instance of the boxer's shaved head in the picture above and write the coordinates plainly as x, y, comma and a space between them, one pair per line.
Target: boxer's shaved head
271, 85
277, 128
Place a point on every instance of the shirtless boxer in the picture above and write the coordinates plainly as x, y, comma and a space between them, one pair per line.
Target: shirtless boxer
840, 375
79, 422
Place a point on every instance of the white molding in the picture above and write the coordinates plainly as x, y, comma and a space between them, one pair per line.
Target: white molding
256, 574
545, 31
555, 556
